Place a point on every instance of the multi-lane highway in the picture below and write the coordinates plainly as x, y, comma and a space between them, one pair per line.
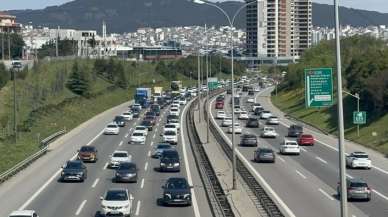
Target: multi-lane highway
307, 183
50, 197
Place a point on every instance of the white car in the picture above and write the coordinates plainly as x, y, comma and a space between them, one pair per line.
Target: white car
256, 105
257, 89
138, 137
358, 159
170, 137
243, 115
273, 120
118, 157
269, 132
265, 115
171, 127
142, 129
127, 116
117, 202
221, 115
182, 101
227, 122
174, 111
112, 129
175, 122
237, 111
175, 103
23, 213
237, 129
250, 100
289, 147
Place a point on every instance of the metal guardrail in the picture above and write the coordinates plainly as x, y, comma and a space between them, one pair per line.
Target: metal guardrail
24, 163
216, 196
261, 195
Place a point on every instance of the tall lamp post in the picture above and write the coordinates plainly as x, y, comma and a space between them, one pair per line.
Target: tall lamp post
231, 26
357, 96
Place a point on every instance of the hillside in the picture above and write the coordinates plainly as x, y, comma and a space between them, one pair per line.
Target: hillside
128, 15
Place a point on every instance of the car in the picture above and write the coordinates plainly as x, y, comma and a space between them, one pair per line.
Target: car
289, 147
23, 213
268, 132
265, 114
257, 89
251, 93
252, 123
117, 202
182, 101
248, 140
169, 161
171, 137
127, 116
273, 120
174, 111
119, 120
87, 154
118, 157
220, 104
112, 129
237, 129
175, 122
148, 124
135, 113
143, 129
258, 110
221, 115
176, 191
256, 105
137, 137
150, 114
159, 148
151, 119
250, 100
136, 106
170, 127
358, 159
74, 170
228, 91
126, 172
155, 108
243, 115
264, 155
172, 117
227, 122
356, 189
305, 139
294, 130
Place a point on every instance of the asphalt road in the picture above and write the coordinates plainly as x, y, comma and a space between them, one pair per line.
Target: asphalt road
307, 183
54, 198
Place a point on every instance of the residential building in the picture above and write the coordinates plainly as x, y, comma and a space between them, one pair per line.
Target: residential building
8, 23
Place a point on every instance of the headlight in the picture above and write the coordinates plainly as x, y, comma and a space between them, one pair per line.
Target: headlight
127, 206
62, 173
187, 196
162, 164
176, 164
167, 195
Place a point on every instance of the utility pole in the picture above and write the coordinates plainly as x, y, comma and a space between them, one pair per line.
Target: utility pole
199, 86
341, 134
9, 45
207, 84
2, 46
14, 105
56, 43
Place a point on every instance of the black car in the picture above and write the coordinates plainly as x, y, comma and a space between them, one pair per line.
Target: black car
150, 114
245, 88
252, 123
177, 191
155, 109
126, 172
148, 124
264, 155
251, 93
295, 130
135, 113
258, 111
248, 140
169, 161
74, 170
229, 91
120, 121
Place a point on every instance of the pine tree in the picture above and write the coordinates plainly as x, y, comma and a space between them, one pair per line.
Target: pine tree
78, 82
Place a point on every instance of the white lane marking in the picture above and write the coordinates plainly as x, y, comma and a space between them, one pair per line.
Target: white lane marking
303, 149
149, 153
256, 173
105, 166
152, 143
188, 172
80, 207
126, 135
95, 183
320, 159
98, 135
349, 176
326, 194
299, 173
121, 143
142, 184
380, 194
282, 159
146, 166
138, 208
154, 136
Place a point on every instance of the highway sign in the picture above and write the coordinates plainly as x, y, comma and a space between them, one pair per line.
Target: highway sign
318, 87
212, 83
359, 117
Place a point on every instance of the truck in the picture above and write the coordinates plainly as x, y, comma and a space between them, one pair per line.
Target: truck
175, 87
143, 96
158, 93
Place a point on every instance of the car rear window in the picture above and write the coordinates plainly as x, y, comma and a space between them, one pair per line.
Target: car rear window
112, 126
170, 133
116, 196
120, 155
137, 134
358, 184
360, 155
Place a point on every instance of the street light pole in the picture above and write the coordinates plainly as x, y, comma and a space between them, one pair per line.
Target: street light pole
207, 84
341, 139
199, 86
357, 96
14, 105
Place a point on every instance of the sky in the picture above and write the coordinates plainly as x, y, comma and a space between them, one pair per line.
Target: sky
374, 5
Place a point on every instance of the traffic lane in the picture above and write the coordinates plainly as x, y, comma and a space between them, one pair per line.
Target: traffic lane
297, 168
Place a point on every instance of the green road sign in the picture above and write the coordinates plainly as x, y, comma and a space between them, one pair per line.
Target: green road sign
318, 87
359, 117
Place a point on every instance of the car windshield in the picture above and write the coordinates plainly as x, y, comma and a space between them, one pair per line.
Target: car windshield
169, 126
146, 123
170, 155
120, 155
137, 134
140, 128
174, 109
116, 196
169, 133
112, 126
127, 166
73, 165
118, 118
291, 143
266, 151
360, 155
358, 184
87, 149
163, 146
126, 113
177, 184
268, 129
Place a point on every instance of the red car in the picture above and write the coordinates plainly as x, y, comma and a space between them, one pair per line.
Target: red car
306, 139
220, 105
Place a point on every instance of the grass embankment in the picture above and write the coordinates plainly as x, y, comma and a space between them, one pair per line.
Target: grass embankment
373, 135
46, 106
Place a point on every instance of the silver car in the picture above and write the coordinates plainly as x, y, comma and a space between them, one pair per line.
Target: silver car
356, 189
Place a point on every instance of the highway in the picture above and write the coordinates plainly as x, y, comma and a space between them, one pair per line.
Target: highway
49, 197
307, 183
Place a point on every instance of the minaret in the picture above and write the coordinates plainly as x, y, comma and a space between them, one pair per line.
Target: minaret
104, 36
